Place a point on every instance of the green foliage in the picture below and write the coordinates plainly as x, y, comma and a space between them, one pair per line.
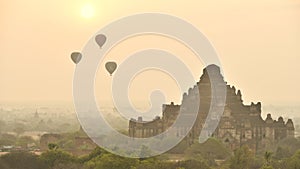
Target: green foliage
52, 146
283, 152
243, 158
98, 151
145, 151
287, 147
57, 157
179, 148
210, 150
21, 161
111, 161
191, 164
294, 161
266, 167
268, 157
68, 166
146, 164
154, 163
70, 144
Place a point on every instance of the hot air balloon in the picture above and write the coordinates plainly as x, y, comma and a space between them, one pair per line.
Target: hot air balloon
111, 67
76, 57
100, 40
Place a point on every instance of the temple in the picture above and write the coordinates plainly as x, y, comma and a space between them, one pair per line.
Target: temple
239, 124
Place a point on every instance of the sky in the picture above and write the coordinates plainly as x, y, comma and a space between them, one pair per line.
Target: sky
257, 42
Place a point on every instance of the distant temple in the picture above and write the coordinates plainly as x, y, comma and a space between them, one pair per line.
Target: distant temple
239, 124
77, 143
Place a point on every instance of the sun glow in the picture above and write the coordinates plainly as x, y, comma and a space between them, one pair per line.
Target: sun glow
87, 11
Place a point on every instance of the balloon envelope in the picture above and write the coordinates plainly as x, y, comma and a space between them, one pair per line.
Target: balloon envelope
76, 57
100, 40
111, 67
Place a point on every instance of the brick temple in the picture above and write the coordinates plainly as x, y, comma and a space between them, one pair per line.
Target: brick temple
238, 125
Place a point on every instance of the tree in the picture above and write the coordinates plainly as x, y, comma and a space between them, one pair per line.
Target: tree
53, 146
243, 158
268, 156
57, 157
98, 151
145, 151
193, 164
294, 161
21, 160
283, 152
289, 146
112, 162
210, 150
68, 166
266, 167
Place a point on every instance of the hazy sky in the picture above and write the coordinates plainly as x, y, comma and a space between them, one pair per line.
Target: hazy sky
258, 42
